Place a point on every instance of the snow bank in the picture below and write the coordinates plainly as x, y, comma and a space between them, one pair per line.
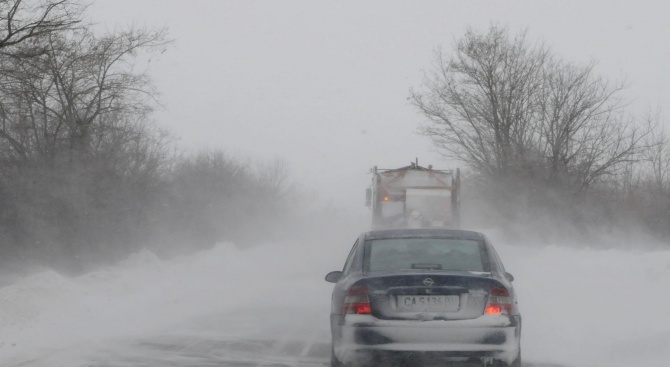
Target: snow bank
580, 307
47, 313
586, 307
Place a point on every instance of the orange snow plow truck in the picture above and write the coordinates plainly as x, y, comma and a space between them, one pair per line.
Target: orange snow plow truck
414, 197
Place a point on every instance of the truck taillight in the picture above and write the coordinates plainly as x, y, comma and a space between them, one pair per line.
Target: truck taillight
500, 302
357, 301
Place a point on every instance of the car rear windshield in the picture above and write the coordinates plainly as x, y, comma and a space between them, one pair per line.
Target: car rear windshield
424, 254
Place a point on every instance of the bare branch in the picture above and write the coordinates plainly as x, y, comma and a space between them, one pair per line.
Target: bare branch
22, 20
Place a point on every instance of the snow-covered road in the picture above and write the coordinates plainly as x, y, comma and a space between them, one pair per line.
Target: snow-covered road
268, 306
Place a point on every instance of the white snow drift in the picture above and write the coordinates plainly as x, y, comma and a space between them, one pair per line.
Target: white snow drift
580, 307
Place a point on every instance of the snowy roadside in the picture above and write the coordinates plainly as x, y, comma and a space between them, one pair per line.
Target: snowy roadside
592, 307
47, 312
580, 307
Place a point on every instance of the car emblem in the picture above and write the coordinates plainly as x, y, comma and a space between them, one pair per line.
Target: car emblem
428, 282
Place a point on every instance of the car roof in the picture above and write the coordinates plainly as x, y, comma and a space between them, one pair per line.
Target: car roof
423, 233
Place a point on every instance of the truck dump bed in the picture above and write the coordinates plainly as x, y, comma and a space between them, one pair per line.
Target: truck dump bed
415, 197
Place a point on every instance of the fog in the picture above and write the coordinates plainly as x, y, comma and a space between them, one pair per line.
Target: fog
580, 307
324, 88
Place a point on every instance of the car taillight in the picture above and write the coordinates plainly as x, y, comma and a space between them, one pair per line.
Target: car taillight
500, 302
357, 301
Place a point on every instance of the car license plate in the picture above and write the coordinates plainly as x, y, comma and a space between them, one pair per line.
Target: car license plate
428, 303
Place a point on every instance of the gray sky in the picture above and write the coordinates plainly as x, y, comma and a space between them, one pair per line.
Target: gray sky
324, 84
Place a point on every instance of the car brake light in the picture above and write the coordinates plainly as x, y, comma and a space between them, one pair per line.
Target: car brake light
500, 302
357, 301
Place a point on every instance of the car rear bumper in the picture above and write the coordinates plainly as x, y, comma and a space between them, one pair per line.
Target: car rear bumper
358, 339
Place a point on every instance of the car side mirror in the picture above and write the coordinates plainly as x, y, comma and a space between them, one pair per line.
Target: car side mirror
509, 277
333, 276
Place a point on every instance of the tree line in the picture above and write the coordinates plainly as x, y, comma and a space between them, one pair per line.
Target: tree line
546, 140
86, 177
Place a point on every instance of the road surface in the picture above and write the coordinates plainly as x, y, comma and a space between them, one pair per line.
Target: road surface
208, 341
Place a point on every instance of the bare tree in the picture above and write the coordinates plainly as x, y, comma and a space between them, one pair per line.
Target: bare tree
274, 175
656, 158
60, 99
24, 25
480, 101
23, 20
507, 107
642, 185
82, 162
584, 131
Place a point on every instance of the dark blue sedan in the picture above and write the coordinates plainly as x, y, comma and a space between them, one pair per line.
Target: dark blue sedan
424, 297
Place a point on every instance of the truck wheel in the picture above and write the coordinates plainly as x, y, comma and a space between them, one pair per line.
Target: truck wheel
515, 363
334, 362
